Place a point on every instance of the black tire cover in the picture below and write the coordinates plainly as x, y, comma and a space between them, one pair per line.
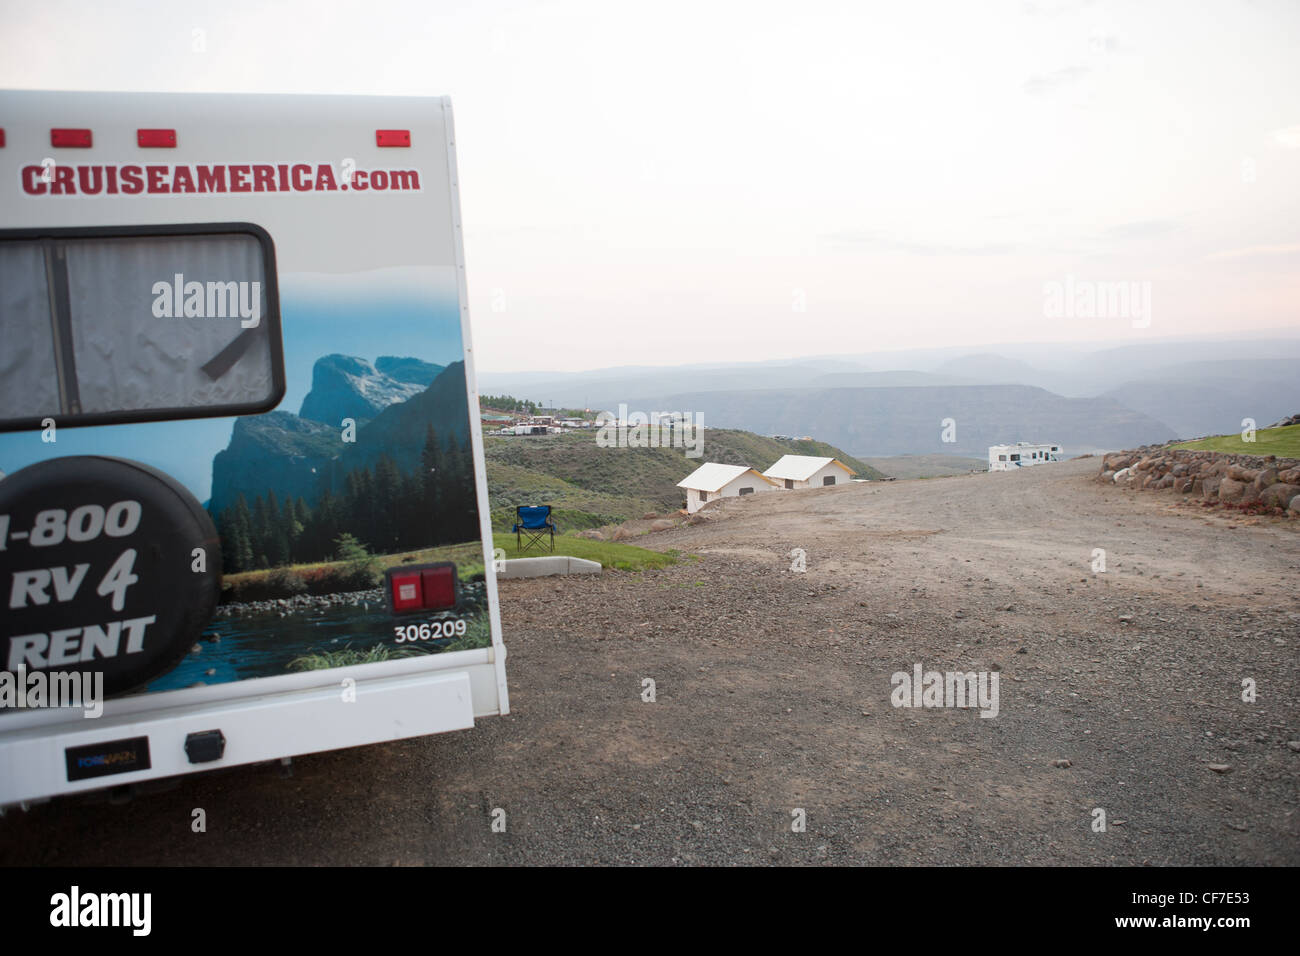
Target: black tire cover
59, 515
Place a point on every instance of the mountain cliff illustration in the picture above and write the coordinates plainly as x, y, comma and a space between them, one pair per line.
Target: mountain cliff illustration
344, 386
394, 403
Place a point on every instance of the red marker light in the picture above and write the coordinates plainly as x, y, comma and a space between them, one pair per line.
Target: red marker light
70, 138
404, 588
427, 587
439, 586
2, 138
156, 138
392, 137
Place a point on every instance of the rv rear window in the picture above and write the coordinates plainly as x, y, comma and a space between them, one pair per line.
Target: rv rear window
103, 326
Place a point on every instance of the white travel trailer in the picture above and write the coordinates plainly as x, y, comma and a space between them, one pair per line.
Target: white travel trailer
808, 471
236, 367
713, 480
1021, 455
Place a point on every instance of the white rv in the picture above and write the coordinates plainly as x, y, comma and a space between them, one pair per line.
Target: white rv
238, 420
1021, 455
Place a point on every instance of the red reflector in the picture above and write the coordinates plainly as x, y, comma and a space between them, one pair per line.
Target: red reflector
427, 587
78, 138
2, 138
406, 591
393, 137
439, 585
156, 138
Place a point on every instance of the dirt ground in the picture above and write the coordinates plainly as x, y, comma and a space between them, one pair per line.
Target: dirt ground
772, 695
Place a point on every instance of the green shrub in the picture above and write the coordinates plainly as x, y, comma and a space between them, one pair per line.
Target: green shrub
361, 568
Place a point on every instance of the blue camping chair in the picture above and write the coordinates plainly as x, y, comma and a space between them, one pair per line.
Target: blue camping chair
532, 525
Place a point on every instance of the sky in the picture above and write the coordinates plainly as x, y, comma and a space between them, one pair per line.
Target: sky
674, 183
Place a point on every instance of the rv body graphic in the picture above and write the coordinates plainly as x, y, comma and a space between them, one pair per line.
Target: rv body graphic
237, 373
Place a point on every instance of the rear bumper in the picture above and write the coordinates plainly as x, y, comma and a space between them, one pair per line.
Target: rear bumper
34, 763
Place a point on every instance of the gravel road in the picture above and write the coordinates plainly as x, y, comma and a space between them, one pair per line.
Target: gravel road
773, 695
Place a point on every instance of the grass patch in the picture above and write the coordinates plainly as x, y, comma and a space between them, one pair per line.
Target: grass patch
573, 507
349, 656
479, 634
1283, 442
610, 554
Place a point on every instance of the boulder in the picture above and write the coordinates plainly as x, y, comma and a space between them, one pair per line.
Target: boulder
663, 524
1294, 506
1242, 474
1231, 489
620, 534
1291, 476
1121, 475
1107, 476
1210, 486
1266, 477
1279, 495
592, 533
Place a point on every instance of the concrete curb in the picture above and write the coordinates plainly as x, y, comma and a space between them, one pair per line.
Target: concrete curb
542, 567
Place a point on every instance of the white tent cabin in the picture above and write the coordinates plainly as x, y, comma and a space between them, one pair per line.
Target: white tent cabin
713, 480
1022, 454
807, 471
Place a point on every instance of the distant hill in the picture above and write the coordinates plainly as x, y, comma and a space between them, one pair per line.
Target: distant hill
589, 486
908, 420
1177, 386
1212, 398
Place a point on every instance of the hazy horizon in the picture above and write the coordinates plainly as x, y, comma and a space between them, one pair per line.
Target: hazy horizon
977, 348
718, 183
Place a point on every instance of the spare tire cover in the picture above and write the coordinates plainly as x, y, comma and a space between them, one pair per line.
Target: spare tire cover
106, 565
